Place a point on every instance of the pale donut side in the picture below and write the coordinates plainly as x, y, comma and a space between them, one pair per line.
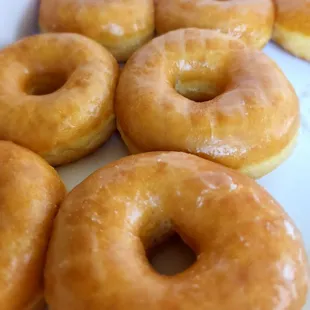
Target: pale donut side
122, 26
249, 253
30, 194
292, 27
205, 93
255, 171
250, 20
70, 122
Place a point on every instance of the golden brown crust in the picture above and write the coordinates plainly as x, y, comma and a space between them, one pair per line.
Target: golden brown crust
292, 27
66, 124
252, 118
122, 26
249, 253
30, 193
250, 20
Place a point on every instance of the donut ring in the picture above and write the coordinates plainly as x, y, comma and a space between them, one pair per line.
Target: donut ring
122, 26
56, 95
250, 20
292, 27
206, 93
30, 192
248, 250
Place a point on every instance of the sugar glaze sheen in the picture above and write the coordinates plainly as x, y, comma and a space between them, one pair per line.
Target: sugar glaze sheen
206, 93
249, 253
122, 26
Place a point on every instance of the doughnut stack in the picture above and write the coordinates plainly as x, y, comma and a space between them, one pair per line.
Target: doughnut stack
203, 111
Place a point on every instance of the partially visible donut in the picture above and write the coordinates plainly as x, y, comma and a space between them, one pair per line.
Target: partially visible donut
292, 27
30, 193
249, 253
57, 95
206, 93
122, 26
250, 20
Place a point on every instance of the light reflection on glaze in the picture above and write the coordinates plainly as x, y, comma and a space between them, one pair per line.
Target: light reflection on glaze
114, 29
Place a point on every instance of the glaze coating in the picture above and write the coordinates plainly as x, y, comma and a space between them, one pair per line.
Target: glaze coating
30, 194
206, 93
292, 26
249, 253
122, 26
56, 95
250, 20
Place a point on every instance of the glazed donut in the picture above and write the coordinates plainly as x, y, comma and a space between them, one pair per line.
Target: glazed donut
56, 95
30, 193
206, 93
250, 20
122, 26
292, 27
249, 253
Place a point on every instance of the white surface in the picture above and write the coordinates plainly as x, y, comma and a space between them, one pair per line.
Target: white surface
289, 184
17, 19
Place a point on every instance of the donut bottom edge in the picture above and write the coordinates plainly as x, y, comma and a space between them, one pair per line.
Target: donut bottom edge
81, 147
295, 43
255, 171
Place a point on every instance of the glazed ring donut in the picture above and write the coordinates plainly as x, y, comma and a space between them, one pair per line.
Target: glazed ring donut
206, 93
30, 193
250, 20
122, 26
56, 95
292, 27
249, 253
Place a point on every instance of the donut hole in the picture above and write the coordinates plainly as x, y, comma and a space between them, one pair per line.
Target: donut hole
171, 256
40, 84
200, 84
197, 91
